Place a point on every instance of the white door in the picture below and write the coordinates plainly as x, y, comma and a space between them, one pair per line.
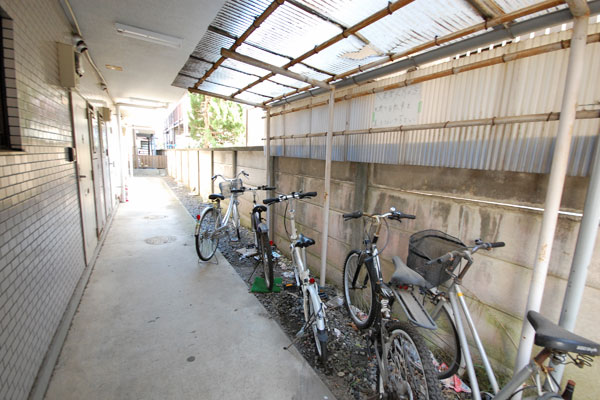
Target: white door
84, 173
97, 170
108, 203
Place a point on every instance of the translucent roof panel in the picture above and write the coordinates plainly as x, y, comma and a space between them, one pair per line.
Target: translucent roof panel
232, 78
184, 81
253, 97
292, 32
288, 81
194, 67
347, 12
237, 16
270, 89
245, 67
218, 89
308, 72
420, 22
261, 55
332, 58
210, 46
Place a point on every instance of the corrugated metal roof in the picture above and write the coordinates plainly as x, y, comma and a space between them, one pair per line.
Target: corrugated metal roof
279, 32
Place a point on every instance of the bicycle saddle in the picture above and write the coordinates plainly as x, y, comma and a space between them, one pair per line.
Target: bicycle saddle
216, 196
406, 276
554, 337
259, 208
304, 241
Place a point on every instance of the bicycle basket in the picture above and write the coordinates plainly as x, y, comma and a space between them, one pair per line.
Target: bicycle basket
428, 245
226, 186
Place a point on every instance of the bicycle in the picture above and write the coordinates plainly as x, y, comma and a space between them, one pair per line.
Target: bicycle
314, 308
557, 342
261, 235
404, 364
210, 224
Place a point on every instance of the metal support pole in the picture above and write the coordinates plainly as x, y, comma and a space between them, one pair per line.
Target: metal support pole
270, 177
586, 239
327, 190
122, 153
555, 185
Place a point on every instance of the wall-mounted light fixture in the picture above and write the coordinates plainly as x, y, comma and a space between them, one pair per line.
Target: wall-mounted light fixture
148, 36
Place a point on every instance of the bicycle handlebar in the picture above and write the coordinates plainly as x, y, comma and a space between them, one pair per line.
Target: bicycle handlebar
242, 172
293, 195
466, 253
393, 214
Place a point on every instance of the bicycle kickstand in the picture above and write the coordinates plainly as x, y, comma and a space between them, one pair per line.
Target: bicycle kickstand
300, 333
253, 271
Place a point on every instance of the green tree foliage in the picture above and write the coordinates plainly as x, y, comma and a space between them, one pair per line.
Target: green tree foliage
214, 122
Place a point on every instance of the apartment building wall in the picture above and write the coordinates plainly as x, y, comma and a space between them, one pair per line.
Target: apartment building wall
41, 245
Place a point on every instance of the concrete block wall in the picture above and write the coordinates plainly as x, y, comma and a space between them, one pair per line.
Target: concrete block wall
195, 167
458, 202
41, 245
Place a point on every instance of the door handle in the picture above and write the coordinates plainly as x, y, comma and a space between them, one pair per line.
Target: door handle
82, 176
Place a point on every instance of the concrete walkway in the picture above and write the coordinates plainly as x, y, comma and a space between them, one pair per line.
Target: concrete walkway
154, 323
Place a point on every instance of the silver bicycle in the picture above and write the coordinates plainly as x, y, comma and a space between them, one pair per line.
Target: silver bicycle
211, 225
314, 308
559, 345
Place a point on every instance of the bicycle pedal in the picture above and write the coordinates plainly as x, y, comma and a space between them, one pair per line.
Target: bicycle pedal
289, 286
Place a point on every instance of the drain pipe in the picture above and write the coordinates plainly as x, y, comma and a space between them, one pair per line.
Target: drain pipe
327, 189
588, 230
558, 172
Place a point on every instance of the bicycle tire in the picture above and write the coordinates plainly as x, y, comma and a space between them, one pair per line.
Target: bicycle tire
408, 362
266, 256
320, 344
443, 342
361, 302
207, 247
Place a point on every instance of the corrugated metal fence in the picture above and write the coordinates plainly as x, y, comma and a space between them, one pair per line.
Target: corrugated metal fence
526, 86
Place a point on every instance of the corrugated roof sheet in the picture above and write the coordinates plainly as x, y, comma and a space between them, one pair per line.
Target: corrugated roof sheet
295, 27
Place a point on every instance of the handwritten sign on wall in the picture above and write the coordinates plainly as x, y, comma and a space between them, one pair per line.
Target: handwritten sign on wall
397, 107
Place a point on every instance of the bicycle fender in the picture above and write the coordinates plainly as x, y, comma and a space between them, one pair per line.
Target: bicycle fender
262, 228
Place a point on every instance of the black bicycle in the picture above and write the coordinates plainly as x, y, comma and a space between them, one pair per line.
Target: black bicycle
405, 365
260, 229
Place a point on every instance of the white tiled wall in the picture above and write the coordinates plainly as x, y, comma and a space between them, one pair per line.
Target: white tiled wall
41, 250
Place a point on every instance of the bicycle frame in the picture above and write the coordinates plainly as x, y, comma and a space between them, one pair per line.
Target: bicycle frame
459, 307
310, 291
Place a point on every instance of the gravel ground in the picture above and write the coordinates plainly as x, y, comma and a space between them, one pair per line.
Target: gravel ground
351, 372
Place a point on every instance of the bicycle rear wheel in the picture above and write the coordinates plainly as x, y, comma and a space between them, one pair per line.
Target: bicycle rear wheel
359, 291
266, 255
443, 342
206, 240
409, 370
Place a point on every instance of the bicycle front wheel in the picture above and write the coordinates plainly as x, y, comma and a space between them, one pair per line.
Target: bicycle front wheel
359, 291
320, 337
409, 370
443, 342
207, 240
266, 255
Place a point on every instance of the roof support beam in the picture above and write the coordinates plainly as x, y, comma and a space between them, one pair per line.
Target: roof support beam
274, 70
269, 10
390, 9
220, 96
